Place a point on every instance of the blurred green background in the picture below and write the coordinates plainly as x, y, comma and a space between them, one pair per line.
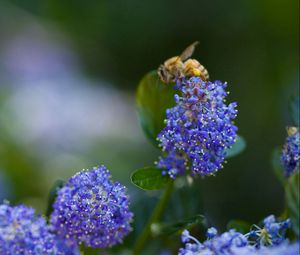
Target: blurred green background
68, 73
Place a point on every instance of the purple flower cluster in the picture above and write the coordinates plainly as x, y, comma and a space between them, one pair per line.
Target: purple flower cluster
233, 242
91, 209
273, 232
283, 249
290, 157
199, 129
22, 232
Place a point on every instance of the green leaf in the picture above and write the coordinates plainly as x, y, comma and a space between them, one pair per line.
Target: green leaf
88, 250
239, 225
153, 97
292, 201
237, 148
149, 178
168, 229
294, 109
277, 166
53, 194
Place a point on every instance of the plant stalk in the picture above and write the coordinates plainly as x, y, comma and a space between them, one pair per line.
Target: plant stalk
155, 217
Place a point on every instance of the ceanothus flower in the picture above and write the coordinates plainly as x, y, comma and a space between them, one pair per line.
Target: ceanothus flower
235, 243
92, 209
284, 248
290, 157
216, 245
22, 232
211, 232
199, 129
273, 233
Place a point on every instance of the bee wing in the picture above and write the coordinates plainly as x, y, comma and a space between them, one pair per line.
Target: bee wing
188, 51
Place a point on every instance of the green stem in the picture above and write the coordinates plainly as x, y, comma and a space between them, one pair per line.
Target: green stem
156, 214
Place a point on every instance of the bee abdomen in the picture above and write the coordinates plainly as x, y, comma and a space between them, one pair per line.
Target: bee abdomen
192, 67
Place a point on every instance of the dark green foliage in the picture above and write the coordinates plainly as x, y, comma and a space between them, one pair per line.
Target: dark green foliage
153, 98
292, 201
239, 225
294, 110
277, 166
53, 194
178, 227
149, 178
237, 148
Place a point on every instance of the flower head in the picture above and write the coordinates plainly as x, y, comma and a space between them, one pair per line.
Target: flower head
272, 234
92, 209
290, 157
221, 244
22, 232
211, 232
285, 248
185, 236
199, 129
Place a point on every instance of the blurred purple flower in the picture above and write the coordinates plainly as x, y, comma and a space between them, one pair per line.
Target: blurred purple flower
290, 157
22, 232
257, 241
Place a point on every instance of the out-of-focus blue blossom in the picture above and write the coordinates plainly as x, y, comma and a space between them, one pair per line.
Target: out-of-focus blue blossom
92, 209
22, 232
216, 245
273, 233
290, 157
235, 243
185, 236
211, 232
284, 248
199, 129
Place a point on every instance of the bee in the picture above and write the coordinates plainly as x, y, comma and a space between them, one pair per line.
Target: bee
182, 66
292, 130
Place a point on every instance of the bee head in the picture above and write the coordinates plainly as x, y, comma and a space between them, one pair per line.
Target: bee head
164, 74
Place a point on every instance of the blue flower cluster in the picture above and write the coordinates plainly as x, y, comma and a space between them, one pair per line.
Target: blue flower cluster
199, 129
273, 232
92, 210
22, 232
290, 157
233, 242
283, 249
